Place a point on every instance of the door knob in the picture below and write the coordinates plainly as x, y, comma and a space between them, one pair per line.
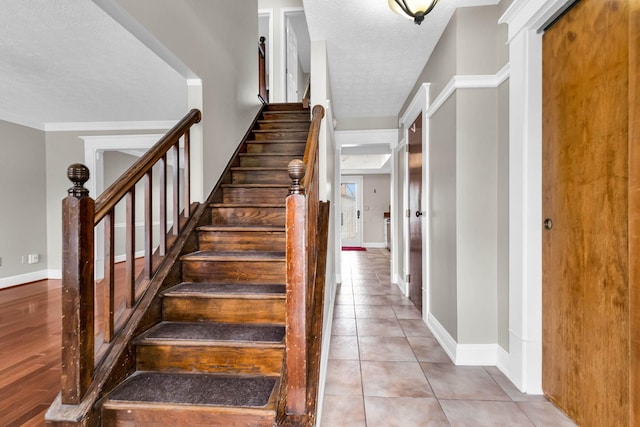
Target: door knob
418, 214
548, 224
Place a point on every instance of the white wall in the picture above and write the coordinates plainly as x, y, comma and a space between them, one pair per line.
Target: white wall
23, 186
217, 40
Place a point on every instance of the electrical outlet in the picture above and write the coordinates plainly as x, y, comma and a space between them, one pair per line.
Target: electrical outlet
33, 258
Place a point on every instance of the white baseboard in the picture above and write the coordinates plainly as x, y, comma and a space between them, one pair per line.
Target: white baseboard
444, 338
404, 288
21, 279
326, 347
375, 245
55, 274
503, 361
476, 354
468, 354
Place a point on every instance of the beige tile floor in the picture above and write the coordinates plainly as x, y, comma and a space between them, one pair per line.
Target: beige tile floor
386, 369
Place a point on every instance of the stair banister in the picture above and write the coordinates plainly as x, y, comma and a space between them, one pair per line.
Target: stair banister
80, 215
302, 208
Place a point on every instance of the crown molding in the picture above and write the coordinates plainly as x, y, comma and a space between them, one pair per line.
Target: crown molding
108, 126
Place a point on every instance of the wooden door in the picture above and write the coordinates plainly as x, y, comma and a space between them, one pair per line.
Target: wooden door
585, 206
415, 212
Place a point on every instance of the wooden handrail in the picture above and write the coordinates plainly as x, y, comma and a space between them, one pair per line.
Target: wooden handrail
80, 215
302, 208
112, 195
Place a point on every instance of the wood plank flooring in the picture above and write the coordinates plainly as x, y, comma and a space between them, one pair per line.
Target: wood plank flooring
30, 331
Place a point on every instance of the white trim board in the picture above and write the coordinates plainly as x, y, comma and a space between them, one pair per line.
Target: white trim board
22, 279
487, 81
374, 245
351, 138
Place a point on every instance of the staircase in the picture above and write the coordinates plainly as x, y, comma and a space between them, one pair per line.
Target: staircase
216, 356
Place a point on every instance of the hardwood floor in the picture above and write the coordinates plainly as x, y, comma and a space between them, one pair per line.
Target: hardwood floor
30, 331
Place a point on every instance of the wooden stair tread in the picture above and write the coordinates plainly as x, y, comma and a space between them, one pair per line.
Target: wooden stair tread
261, 228
246, 205
189, 333
202, 389
276, 141
218, 290
259, 168
234, 256
255, 185
293, 156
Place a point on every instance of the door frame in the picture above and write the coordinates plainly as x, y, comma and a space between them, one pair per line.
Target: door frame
285, 12
525, 20
268, 13
419, 104
359, 180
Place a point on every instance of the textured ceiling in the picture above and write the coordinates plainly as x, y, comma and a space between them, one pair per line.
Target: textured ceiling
375, 56
68, 61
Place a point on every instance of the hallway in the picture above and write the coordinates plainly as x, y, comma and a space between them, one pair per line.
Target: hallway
386, 369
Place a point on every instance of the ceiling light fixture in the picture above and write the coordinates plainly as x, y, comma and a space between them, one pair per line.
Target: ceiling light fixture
413, 9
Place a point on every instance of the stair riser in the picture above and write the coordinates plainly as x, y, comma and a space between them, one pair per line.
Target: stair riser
282, 135
293, 148
248, 160
227, 310
288, 125
248, 216
283, 115
240, 272
297, 107
210, 359
160, 415
254, 195
234, 241
260, 177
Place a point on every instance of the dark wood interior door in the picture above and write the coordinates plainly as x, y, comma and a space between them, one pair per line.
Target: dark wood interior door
585, 208
415, 212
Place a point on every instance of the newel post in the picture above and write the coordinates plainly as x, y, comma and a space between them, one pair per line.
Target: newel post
296, 256
78, 213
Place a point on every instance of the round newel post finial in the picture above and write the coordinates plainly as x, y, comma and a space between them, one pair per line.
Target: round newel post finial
297, 170
78, 174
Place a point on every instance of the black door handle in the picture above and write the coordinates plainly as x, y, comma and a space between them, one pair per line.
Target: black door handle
418, 214
358, 214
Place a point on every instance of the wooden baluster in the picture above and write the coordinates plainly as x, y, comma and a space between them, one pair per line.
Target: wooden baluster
187, 175
148, 225
109, 279
176, 190
296, 289
130, 248
162, 229
262, 70
78, 212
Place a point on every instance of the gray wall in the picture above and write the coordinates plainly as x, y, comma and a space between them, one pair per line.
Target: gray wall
217, 40
468, 171
375, 205
443, 291
63, 149
23, 229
